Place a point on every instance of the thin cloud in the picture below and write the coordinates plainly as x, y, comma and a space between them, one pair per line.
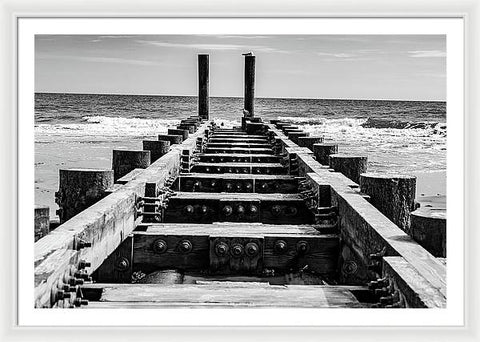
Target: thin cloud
225, 47
99, 59
427, 54
336, 55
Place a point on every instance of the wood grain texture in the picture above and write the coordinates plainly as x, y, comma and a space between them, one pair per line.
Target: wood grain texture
225, 295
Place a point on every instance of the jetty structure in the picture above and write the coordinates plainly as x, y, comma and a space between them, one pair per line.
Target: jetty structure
260, 215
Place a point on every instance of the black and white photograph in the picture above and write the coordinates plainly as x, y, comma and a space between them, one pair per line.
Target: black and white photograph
241, 171
215, 176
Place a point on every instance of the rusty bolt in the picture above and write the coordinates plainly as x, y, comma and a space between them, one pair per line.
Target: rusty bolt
185, 246
83, 264
251, 249
227, 210
197, 184
291, 211
302, 247
237, 250
83, 244
280, 247
221, 249
159, 246
122, 264
74, 281
276, 210
240, 209
79, 302
219, 169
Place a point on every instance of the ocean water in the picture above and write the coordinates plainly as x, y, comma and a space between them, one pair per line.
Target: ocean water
80, 130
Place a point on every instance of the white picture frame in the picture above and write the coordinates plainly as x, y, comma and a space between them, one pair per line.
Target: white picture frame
176, 10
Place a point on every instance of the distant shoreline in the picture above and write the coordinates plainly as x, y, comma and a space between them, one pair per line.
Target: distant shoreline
241, 97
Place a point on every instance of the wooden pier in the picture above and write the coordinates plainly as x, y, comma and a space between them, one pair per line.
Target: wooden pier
252, 216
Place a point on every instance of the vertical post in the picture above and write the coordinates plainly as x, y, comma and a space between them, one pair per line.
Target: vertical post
203, 99
249, 83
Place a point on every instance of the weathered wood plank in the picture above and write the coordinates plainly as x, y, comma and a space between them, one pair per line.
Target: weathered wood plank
240, 150
237, 158
252, 168
223, 294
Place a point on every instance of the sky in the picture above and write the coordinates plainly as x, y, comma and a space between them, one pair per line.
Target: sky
397, 67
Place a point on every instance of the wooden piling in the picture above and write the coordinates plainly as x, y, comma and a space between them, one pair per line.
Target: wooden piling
293, 135
81, 188
323, 151
393, 195
42, 221
249, 84
429, 228
350, 166
308, 141
203, 75
183, 132
124, 161
157, 148
173, 139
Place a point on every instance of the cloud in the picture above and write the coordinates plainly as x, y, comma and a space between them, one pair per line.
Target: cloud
225, 47
96, 59
336, 55
427, 53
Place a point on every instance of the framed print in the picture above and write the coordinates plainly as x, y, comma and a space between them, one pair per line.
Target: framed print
242, 171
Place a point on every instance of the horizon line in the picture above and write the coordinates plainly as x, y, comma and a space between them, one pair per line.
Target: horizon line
259, 97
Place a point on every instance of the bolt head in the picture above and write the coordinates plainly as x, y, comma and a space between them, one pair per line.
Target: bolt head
221, 249
302, 247
185, 246
159, 246
237, 250
204, 209
248, 186
280, 247
122, 264
228, 186
252, 249
276, 210
240, 209
189, 209
227, 210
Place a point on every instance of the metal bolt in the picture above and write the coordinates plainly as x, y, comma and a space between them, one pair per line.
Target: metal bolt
248, 186
79, 302
276, 210
239, 186
207, 169
213, 184
251, 249
83, 244
280, 247
264, 186
74, 281
197, 184
185, 246
159, 246
82, 264
219, 169
240, 209
221, 249
237, 250
122, 264
291, 211
227, 210
189, 210
228, 186
253, 209
302, 247
204, 209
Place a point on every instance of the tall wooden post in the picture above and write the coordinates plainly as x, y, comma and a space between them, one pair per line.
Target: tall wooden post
203, 99
249, 84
